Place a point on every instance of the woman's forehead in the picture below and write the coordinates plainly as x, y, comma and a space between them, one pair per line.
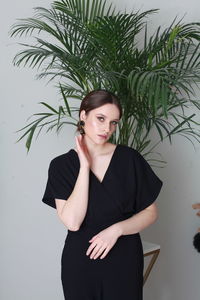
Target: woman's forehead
108, 110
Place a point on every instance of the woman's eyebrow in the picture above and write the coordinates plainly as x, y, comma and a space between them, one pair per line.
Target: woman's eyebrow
106, 116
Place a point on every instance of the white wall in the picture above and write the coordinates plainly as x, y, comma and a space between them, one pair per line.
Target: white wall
31, 234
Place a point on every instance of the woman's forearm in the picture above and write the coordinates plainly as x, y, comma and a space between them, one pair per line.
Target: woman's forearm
136, 223
75, 208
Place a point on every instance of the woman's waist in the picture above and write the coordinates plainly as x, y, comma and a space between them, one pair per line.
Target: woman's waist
89, 229
91, 225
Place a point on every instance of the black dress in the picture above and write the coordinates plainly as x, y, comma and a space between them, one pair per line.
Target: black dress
129, 185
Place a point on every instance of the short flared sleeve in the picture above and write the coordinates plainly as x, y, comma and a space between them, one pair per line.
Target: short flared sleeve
60, 182
148, 185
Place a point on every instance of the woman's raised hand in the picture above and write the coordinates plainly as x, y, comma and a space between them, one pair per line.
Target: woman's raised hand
82, 151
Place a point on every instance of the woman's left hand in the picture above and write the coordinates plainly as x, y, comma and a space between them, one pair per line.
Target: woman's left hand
103, 242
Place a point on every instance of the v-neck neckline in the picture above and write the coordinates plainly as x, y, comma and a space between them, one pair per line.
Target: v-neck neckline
108, 168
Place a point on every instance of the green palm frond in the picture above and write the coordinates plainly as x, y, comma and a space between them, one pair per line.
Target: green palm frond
86, 10
55, 117
86, 45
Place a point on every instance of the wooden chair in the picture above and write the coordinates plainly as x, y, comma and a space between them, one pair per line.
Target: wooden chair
150, 249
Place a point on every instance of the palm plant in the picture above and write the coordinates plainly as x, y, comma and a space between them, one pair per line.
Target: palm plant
88, 45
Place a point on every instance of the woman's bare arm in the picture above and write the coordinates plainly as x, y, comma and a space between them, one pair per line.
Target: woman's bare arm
138, 221
73, 211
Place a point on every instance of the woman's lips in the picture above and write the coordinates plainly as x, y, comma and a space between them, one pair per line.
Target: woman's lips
102, 136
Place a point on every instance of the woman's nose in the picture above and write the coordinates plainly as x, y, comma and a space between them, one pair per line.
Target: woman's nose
107, 128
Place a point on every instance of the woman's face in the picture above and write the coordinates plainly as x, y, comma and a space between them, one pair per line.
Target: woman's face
101, 122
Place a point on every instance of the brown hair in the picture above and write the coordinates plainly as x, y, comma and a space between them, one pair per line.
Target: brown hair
97, 98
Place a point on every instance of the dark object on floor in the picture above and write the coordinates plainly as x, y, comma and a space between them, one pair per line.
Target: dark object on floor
196, 241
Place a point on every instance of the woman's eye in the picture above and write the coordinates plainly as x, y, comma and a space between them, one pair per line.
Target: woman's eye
100, 118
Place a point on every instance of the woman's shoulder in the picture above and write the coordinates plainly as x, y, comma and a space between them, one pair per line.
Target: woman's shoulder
62, 158
131, 152
127, 149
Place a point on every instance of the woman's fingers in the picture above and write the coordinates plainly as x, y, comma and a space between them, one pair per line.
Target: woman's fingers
96, 249
98, 252
105, 253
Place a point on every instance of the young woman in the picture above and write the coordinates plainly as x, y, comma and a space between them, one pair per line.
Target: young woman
105, 195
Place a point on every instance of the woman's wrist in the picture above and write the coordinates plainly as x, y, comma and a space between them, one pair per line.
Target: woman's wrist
117, 226
84, 168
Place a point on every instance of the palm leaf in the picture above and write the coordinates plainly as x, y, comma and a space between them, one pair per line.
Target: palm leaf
88, 45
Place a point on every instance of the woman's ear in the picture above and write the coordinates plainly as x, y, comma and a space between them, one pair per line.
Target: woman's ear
82, 115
